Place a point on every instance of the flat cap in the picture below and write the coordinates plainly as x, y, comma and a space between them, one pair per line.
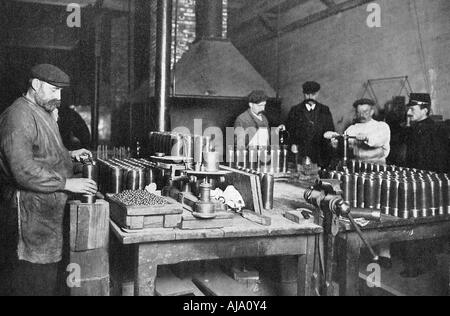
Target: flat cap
422, 99
50, 74
257, 96
363, 102
311, 87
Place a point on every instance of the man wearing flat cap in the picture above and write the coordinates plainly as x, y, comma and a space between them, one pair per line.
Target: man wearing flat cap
252, 127
307, 123
36, 176
370, 143
372, 138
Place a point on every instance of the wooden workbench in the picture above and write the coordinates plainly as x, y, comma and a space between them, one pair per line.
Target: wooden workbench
389, 230
155, 247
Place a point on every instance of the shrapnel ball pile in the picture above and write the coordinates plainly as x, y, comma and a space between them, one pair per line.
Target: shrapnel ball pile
140, 198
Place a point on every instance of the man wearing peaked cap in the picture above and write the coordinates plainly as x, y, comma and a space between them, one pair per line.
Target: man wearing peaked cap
427, 145
36, 173
426, 140
307, 123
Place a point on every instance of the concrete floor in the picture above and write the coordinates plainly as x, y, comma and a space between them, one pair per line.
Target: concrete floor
435, 282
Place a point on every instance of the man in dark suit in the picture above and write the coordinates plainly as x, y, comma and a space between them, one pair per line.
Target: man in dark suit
307, 123
426, 141
427, 149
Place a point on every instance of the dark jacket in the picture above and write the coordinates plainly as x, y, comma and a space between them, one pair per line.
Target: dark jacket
34, 166
427, 146
247, 121
306, 130
74, 131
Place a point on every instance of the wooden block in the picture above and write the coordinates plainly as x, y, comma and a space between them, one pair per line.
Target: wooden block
294, 216
187, 199
89, 225
153, 222
240, 275
195, 290
93, 263
256, 194
82, 232
171, 221
256, 218
120, 217
206, 224
187, 216
94, 287
167, 284
259, 193
134, 222
128, 288
217, 283
73, 207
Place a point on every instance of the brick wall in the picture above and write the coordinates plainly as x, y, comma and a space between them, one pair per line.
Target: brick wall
342, 53
185, 27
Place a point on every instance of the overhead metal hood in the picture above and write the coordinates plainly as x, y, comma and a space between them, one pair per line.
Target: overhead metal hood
216, 68
213, 66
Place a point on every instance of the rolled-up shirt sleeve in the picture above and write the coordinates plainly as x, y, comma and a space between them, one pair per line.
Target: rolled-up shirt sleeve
26, 170
380, 137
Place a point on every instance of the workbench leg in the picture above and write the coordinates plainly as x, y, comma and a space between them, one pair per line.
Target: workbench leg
306, 268
145, 273
349, 261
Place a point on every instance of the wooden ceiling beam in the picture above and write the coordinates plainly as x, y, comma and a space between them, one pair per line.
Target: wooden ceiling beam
255, 9
286, 5
338, 8
328, 3
117, 5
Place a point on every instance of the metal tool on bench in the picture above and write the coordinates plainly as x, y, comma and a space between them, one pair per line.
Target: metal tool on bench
326, 197
346, 138
205, 207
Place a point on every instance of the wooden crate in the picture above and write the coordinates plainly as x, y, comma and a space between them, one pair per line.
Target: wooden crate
145, 217
173, 207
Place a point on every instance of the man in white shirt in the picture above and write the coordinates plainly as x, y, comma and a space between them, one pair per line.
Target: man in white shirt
372, 143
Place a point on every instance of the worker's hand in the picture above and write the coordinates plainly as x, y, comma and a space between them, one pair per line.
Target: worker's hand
331, 135
362, 137
282, 128
78, 154
81, 186
294, 149
335, 143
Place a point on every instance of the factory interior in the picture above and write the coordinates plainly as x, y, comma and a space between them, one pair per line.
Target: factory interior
250, 148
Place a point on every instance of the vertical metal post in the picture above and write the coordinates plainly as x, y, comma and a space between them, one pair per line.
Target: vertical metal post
95, 110
163, 53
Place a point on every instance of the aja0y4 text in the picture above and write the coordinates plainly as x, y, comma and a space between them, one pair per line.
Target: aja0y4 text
246, 306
